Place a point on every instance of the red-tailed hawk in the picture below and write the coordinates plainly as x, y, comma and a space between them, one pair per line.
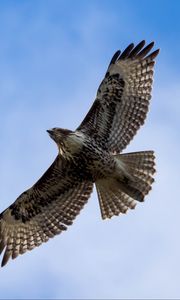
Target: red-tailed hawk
90, 155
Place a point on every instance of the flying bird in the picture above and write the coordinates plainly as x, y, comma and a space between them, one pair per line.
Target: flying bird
90, 155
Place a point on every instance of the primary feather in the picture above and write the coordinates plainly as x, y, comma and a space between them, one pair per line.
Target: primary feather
123, 98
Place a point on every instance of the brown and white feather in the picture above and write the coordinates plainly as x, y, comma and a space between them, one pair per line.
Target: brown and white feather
113, 199
43, 211
123, 97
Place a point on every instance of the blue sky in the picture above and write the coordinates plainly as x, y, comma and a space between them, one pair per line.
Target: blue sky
53, 55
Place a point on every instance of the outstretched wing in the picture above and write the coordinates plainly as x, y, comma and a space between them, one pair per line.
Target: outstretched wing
44, 210
122, 99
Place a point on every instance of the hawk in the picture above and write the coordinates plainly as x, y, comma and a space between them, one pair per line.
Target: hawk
90, 155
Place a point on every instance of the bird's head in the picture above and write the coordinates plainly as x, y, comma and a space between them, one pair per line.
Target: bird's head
68, 142
60, 136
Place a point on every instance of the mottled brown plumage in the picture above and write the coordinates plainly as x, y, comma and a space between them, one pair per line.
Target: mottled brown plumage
123, 97
90, 155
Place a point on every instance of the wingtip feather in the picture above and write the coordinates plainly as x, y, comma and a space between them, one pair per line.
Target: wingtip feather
2, 246
154, 54
115, 57
6, 257
139, 51
127, 51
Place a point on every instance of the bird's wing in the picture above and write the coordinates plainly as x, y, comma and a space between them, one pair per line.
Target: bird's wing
44, 210
122, 99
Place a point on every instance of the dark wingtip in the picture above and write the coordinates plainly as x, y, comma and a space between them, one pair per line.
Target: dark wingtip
2, 246
115, 57
3, 264
154, 54
127, 51
141, 44
145, 50
139, 51
5, 259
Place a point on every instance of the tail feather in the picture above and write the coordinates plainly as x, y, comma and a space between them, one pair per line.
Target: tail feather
117, 197
113, 203
141, 161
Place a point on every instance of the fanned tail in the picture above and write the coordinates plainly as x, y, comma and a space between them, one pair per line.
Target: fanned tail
117, 197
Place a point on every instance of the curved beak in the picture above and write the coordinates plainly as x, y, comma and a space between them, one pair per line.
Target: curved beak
51, 133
